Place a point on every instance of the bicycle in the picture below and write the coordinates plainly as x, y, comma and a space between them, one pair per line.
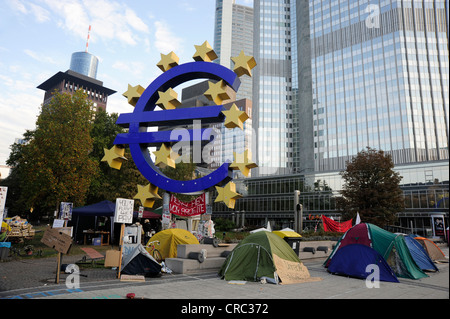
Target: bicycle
28, 251
154, 251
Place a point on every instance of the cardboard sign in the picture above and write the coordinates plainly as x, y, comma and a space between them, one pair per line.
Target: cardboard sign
3, 191
292, 272
124, 211
57, 240
112, 258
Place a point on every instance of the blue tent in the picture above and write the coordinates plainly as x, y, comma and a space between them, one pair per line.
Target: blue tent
353, 260
104, 208
86, 217
419, 254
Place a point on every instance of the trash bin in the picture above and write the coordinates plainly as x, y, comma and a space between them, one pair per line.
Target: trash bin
294, 242
4, 250
291, 237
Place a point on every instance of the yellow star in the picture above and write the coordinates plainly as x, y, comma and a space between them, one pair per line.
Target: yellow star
168, 61
204, 52
147, 195
234, 117
243, 162
243, 64
114, 156
168, 100
133, 93
227, 194
217, 92
165, 156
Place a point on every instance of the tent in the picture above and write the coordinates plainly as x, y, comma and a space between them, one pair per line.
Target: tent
86, 217
419, 254
264, 255
169, 239
140, 262
354, 260
432, 249
390, 246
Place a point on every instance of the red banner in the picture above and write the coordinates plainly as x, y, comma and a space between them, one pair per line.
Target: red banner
333, 226
193, 208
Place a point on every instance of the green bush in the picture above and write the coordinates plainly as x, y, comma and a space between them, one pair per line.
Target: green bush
223, 224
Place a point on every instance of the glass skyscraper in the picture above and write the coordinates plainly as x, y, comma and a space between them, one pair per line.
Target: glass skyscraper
273, 108
233, 33
335, 76
379, 74
84, 63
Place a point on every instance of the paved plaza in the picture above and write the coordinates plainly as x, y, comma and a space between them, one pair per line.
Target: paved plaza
207, 285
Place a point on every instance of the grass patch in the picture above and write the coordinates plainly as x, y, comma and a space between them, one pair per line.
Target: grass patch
46, 251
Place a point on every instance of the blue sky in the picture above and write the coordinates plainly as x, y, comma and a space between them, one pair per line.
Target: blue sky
38, 37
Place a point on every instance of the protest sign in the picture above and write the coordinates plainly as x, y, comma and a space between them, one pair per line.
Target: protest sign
187, 209
124, 211
3, 191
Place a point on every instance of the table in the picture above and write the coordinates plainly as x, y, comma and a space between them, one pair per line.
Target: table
92, 233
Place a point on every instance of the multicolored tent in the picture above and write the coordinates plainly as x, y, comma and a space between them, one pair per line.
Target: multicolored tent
357, 260
392, 247
432, 249
419, 254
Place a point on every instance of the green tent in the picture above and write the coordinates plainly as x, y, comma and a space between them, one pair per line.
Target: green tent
255, 257
392, 247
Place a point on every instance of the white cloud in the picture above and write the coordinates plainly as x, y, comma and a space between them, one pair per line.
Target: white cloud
18, 6
165, 40
110, 20
134, 68
135, 22
27, 7
19, 112
39, 57
39, 13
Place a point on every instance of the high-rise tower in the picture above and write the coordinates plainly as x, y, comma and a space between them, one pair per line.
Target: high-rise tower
84, 62
81, 76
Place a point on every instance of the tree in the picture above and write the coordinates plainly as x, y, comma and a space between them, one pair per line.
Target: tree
54, 166
109, 183
371, 188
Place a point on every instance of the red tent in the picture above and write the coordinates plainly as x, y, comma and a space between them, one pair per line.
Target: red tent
334, 226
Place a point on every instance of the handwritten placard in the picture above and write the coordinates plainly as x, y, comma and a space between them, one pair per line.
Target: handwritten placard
124, 211
57, 240
291, 272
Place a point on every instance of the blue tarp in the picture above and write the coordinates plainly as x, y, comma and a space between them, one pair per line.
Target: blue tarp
419, 254
353, 260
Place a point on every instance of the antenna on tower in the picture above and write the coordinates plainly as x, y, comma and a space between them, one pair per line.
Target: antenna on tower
87, 41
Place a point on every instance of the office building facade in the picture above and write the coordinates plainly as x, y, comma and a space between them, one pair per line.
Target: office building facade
81, 76
233, 33
336, 76
70, 81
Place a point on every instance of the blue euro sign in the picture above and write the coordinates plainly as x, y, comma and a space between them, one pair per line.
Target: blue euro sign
143, 117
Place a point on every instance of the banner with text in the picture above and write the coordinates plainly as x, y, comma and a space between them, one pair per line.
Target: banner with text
192, 208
